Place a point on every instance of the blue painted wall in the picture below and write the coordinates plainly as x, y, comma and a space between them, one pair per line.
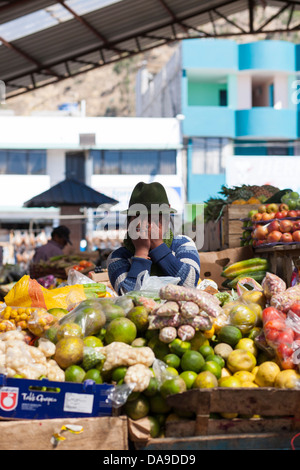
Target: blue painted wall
227, 58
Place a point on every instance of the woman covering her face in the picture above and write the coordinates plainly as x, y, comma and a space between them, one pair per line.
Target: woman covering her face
150, 245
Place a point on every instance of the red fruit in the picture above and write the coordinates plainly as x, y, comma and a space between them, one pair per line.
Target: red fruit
279, 215
295, 308
273, 226
287, 363
261, 232
274, 237
292, 213
256, 217
266, 216
285, 213
296, 225
287, 237
286, 337
283, 207
271, 313
296, 236
284, 351
286, 226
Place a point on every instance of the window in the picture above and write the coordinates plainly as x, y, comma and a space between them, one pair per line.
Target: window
208, 155
134, 162
23, 162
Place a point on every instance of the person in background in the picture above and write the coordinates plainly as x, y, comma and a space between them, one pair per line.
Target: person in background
150, 245
60, 237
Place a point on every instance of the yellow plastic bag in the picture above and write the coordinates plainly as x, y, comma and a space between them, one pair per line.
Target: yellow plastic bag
28, 292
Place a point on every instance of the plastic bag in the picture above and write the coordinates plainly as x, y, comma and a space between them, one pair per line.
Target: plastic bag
76, 277
272, 285
151, 285
28, 292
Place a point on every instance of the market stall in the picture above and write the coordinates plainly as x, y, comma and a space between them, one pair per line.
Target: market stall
170, 366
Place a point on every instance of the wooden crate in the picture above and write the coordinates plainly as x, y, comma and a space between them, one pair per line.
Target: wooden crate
279, 411
265, 441
105, 433
231, 223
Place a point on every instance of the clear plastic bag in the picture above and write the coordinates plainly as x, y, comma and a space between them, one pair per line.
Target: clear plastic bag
151, 285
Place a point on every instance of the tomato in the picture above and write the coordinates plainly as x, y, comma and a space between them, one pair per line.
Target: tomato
278, 325
78, 268
284, 351
271, 313
85, 263
286, 337
295, 308
271, 336
287, 363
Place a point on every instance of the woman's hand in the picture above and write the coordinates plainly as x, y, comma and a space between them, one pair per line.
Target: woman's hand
156, 235
142, 243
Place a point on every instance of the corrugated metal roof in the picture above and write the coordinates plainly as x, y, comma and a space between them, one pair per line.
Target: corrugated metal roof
70, 193
110, 30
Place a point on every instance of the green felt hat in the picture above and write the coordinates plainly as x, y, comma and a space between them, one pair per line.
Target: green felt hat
149, 198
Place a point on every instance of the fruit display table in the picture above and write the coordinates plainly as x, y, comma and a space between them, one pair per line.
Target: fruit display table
282, 259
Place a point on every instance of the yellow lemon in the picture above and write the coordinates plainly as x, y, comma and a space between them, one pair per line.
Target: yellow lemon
248, 345
229, 381
256, 297
258, 311
288, 378
243, 317
266, 374
209, 333
225, 372
239, 359
249, 384
244, 376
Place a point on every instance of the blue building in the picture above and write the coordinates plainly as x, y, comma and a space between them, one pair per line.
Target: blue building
233, 100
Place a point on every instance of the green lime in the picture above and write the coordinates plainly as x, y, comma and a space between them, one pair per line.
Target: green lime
121, 330
74, 374
218, 359
159, 348
138, 408
171, 371
133, 396
154, 426
172, 360
94, 374
206, 350
172, 386
198, 340
192, 360
152, 388
179, 347
254, 333
92, 342
158, 405
118, 373
189, 377
212, 367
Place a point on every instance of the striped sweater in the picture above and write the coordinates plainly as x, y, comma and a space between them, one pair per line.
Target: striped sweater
180, 260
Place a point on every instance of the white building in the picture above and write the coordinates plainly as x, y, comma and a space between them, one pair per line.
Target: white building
109, 154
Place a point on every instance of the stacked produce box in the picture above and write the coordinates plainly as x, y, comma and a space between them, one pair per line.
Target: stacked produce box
273, 224
142, 348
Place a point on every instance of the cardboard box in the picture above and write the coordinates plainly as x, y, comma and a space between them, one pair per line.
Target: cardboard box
45, 399
212, 263
105, 433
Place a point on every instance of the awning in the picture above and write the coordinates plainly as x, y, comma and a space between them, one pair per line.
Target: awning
45, 41
70, 193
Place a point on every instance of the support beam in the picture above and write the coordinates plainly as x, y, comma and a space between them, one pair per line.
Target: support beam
29, 58
91, 28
